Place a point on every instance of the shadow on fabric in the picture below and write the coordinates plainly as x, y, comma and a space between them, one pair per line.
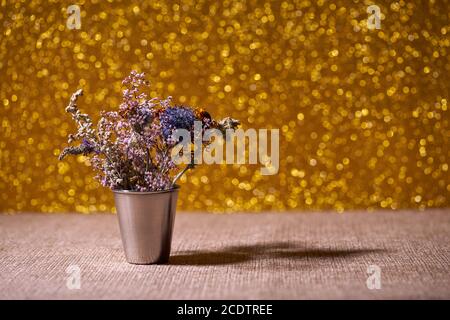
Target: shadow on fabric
278, 250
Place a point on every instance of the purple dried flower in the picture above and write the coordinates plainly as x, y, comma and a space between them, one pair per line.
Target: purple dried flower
88, 146
179, 117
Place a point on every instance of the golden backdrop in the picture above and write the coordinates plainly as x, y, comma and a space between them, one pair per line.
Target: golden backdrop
363, 114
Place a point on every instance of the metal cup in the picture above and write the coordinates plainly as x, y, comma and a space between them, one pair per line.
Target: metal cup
146, 222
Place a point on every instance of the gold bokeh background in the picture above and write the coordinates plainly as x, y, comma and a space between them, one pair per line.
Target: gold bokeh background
363, 114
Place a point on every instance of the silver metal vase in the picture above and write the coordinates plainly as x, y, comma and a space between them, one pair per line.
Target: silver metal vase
146, 222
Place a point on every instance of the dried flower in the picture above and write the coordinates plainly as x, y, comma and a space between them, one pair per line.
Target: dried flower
130, 149
173, 118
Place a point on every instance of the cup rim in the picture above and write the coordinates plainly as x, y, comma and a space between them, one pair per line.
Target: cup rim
174, 188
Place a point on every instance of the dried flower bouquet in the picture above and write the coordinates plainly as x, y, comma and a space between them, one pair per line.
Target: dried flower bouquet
131, 148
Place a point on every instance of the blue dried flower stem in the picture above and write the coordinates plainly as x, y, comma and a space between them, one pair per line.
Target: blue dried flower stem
180, 174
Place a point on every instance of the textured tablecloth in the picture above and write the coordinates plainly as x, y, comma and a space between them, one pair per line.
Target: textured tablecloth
238, 256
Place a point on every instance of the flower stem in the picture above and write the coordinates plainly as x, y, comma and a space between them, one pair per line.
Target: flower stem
178, 176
